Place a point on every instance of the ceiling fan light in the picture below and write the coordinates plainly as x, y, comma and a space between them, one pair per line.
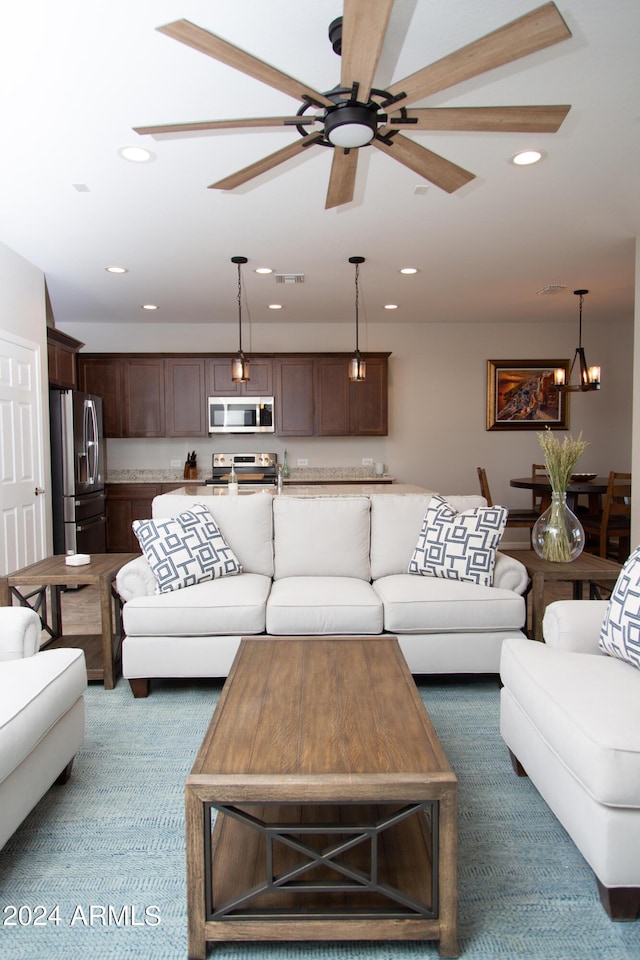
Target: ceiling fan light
350, 125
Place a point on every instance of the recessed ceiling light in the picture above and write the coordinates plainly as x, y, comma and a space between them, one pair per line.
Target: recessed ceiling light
275, 306
136, 154
116, 269
391, 306
527, 157
263, 270
149, 306
409, 270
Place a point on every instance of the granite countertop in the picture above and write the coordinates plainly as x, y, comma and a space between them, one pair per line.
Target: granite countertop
306, 476
307, 490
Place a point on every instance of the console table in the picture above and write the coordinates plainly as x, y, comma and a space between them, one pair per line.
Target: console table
101, 649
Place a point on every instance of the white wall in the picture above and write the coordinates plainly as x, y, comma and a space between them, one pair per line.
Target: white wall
437, 397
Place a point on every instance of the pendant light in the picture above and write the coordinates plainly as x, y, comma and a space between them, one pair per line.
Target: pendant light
357, 366
239, 364
589, 376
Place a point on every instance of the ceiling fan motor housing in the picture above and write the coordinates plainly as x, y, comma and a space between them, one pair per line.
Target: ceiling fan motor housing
335, 35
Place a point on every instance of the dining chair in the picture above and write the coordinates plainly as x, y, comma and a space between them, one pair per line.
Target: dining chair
517, 517
538, 470
615, 521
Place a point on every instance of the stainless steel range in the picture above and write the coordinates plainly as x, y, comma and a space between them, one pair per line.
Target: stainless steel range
251, 468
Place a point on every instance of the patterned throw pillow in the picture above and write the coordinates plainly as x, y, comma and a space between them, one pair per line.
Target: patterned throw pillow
186, 549
458, 546
620, 633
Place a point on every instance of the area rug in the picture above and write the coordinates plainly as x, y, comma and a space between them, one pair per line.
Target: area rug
96, 871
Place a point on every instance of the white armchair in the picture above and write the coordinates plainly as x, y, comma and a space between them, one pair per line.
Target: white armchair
41, 715
570, 715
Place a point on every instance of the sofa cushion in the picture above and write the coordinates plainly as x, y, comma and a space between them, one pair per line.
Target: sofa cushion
620, 633
323, 605
186, 549
431, 605
586, 707
232, 605
396, 520
35, 692
321, 537
458, 546
245, 521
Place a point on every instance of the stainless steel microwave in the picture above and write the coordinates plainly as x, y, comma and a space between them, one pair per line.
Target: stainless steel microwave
241, 415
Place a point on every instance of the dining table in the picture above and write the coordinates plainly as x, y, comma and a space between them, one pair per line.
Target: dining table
541, 484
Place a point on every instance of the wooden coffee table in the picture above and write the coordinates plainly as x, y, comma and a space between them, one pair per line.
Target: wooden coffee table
334, 804
101, 649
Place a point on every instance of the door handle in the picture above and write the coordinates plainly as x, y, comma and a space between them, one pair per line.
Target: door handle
39, 490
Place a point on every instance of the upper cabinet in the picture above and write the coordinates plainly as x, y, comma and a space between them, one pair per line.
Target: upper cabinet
102, 374
368, 404
151, 395
61, 357
220, 384
294, 397
144, 408
185, 397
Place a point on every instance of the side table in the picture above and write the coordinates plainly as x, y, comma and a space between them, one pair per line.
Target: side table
102, 649
587, 568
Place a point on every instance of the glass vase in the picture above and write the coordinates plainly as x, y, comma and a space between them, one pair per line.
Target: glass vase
557, 534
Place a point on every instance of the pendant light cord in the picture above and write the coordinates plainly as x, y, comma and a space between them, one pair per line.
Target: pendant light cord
357, 303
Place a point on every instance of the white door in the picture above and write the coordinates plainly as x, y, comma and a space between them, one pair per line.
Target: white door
22, 502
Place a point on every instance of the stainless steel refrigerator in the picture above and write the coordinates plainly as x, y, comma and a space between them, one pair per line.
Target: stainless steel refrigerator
77, 472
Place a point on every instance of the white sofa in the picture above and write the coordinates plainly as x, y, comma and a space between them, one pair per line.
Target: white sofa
41, 715
317, 566
570, 715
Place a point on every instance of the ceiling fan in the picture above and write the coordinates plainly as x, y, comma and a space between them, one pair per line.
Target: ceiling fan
356, 114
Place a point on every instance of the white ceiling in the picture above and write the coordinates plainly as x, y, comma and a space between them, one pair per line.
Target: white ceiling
77, 75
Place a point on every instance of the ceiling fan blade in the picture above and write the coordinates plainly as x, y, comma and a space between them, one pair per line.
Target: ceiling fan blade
443, 173
485, 119
534, 31
206, 42
261, 166
342, 181
364, 25
225, 124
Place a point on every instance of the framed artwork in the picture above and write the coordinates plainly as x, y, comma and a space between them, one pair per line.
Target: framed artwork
522, 395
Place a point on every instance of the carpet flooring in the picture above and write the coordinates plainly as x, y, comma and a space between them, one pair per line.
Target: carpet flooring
103, 855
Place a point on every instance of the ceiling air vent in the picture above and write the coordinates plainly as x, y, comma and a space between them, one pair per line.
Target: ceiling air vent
289, 277
552, 288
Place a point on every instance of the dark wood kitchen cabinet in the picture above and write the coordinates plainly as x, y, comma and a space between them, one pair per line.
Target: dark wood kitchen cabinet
144, 406
154, 395
295, 397
332, 395
127, 502
368, 402
61, 358
220, 384
103, 376
185, 398
314, 397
